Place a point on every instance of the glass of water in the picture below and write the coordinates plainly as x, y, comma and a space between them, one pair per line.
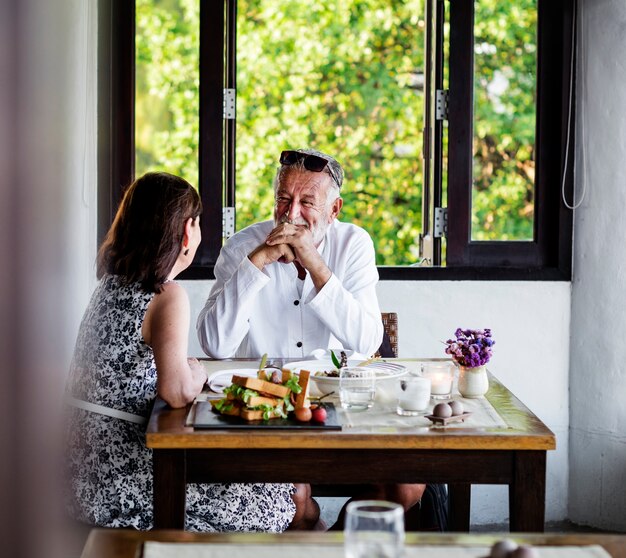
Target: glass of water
413, 395
374, 529
357, 388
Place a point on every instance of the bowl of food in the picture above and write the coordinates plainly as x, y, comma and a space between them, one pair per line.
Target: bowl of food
325, 375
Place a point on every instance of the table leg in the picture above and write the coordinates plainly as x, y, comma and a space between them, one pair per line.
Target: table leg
527, 492
169, 488
459, 495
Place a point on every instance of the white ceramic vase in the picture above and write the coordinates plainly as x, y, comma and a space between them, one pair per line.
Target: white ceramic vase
473, 382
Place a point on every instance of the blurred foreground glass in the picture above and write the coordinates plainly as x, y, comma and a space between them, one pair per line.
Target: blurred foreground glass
357, 388
374, 529
440, 375
413, 395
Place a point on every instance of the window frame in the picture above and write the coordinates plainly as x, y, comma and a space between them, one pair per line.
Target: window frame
548, 257
552, 219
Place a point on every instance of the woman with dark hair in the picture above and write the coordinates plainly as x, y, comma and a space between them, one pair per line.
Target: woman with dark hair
131, 346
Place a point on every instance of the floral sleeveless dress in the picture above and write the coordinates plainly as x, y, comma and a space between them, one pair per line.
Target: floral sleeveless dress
110, 467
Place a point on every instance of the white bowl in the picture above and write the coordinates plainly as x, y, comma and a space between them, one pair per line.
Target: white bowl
386, 373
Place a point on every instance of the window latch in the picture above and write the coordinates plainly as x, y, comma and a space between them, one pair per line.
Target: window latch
441, 104
229, 104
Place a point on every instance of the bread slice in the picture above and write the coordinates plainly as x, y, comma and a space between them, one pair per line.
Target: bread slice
256, 400
251, 414
267, 388
257, 414
302, 398
234, 410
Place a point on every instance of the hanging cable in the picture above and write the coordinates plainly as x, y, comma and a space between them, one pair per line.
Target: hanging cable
575, 47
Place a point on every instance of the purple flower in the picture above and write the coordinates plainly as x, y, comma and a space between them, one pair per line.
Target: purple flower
472, 347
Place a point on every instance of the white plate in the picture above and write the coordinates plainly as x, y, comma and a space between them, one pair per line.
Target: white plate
223, 378
384, 371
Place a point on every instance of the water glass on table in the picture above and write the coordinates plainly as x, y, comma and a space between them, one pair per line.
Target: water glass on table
374, 529
413, 395
357, 388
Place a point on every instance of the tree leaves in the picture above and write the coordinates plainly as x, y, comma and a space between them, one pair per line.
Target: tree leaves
343, 77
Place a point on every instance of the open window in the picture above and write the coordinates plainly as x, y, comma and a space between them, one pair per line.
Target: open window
449, 117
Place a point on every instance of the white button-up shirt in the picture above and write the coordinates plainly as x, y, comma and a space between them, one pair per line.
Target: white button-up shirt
251, 312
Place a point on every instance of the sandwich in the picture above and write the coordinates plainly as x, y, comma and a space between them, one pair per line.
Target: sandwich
265, 397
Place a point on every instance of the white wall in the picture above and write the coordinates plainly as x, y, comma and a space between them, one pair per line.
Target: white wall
530, 322
597, 494
81, 168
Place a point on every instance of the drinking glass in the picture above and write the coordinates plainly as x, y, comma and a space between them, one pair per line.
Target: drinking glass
374, 529
441, 375
413, 395
357, 388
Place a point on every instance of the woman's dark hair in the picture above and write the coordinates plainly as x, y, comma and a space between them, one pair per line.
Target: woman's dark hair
146, 235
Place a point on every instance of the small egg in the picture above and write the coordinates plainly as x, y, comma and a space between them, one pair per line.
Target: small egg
524, 551
442, 410
457, 408
502, 549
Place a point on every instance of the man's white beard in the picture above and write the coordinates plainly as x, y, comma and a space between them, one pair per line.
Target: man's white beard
317, 232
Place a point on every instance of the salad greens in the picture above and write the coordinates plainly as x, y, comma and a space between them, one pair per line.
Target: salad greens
240, 392
224, 405
293, 385
339, 363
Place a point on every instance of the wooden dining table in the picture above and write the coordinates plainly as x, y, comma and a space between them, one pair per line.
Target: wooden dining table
457, 455
128, 543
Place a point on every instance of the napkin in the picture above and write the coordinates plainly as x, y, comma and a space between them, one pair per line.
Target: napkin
223, 378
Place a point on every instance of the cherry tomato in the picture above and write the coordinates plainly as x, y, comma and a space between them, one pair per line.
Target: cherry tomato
319, 414
303, 414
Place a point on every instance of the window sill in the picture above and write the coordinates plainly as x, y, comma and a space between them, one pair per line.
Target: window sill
409, 273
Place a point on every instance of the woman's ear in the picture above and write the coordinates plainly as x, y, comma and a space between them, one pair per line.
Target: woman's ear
187, 235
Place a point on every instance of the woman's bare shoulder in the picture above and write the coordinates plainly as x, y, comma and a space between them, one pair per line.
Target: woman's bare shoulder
172, 296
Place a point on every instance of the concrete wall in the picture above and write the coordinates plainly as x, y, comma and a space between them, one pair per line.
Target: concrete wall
597, 494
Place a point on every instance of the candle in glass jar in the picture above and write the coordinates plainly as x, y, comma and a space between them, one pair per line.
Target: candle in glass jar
441, 384
440, 375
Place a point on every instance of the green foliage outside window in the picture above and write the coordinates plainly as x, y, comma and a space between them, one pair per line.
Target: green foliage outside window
335, 76
504, 119
344, 78
167, 43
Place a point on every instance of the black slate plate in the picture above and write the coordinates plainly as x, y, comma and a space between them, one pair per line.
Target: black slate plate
207, 418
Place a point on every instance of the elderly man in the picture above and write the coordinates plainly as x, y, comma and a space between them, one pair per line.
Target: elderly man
301, 282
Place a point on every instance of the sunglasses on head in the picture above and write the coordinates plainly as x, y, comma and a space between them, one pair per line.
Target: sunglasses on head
311, 162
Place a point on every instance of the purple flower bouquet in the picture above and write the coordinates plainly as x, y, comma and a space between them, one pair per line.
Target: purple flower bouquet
471, 348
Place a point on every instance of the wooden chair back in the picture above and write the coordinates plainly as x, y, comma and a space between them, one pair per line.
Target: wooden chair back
390, 324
